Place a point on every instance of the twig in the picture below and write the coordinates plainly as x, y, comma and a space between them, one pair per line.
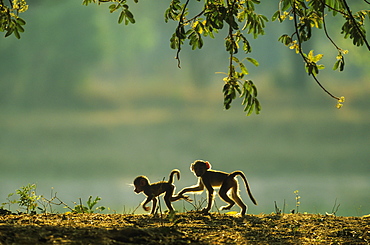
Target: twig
336, 10
230, 35
82, 208
277, 209
335, 207
61, 202
136, 208
326, 31
195, 17
303, 56
181, 23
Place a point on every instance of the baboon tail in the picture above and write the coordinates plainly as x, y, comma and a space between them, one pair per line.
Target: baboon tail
173, 172
235, 173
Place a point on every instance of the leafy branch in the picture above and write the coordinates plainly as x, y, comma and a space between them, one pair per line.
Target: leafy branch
125, 15
239, 18
10, 22
354, 26
216, 14
212, 17
305, 17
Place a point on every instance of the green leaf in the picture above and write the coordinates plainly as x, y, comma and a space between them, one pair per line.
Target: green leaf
285, 5
21, 21
243, 69
113, 7
121, 17
19, 28
9, 32
129, 14
285, 39
275, 15
250, 109
254, 88
236, 59
341, 67
257, 106
253, 61
336, 65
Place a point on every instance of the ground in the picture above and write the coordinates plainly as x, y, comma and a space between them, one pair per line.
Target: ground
183, 228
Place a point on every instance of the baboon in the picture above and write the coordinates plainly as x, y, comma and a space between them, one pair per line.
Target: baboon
152, 191
211, 178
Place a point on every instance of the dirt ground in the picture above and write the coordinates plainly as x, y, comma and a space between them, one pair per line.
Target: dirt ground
183, 228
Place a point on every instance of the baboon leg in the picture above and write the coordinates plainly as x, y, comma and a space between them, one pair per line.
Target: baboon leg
168, 198
154, 205
239, 201
223, 194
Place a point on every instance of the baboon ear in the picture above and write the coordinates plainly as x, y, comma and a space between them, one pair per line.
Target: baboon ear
208, 165
142, 182
192, 167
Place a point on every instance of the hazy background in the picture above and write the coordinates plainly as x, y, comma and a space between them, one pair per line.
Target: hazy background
86, 105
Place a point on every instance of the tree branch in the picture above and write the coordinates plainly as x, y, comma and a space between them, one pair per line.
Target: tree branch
355, 23
302, 54
230, 35
196, 16
336, 10
326, 30
181, 23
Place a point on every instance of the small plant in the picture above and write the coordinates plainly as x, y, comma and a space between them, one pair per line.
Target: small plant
297, 198
9, 201
31, 202
277, 209
89, 208
197, 205
334, 209
27, 198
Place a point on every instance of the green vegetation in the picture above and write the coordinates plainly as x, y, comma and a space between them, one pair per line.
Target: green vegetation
297, 202
29, 201
27, 198
10, 22
239, 18
89, 207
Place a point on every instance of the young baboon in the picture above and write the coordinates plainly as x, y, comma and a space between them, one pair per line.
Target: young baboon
152, 191
210, 178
